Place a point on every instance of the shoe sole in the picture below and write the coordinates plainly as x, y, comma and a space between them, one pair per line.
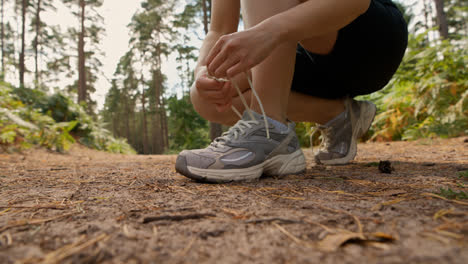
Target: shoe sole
293, 163
368, 110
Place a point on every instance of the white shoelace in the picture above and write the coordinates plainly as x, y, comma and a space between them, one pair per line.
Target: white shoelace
325, 134
238, 128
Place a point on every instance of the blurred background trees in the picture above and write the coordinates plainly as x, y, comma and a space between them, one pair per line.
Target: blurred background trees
428, 97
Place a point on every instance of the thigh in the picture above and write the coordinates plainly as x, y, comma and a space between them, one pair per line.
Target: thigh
367, 53
254, 12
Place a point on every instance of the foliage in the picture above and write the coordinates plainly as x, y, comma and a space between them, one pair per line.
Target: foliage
451, 194
303, 131
428, 95
463, 174
31, 117
187, 129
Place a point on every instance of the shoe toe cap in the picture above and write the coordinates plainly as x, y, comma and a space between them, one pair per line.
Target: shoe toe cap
190, 158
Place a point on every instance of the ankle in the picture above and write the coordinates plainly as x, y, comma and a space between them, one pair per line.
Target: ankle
278, 116
333, 113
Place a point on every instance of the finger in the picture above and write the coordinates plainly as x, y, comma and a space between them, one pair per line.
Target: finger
240, 67
223, 107
212, 95
228, 63
229, 89
217, 61
214, 51
205, 83
223, 95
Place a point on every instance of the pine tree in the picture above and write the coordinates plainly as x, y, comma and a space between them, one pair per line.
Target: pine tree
197, 13
152, 34
22, 67
88, 64
441, 19
39, 28
144, 121
2, 38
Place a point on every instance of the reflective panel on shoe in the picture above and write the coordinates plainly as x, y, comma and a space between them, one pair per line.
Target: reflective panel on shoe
340, 135
244, 152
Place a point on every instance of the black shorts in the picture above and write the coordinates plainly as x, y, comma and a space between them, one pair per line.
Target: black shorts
366, 54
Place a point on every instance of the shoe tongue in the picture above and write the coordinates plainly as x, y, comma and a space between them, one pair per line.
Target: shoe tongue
246, 115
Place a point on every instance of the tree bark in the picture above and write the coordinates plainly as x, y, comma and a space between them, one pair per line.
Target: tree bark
158, 124
158, 137
127, 119
145, 127
22, 68
36, 43
205, 15
2, 37
441, 19
81, 57
165, 129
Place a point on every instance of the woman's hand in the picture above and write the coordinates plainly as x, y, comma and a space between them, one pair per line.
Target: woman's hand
213, 91
239, 52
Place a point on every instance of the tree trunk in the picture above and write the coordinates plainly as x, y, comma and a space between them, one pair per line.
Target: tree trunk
127, 119
2, 37
145, 128
158, 136
205, 15
157, 129
81, 57
135, 125
215, 129
36, 43
114, 125
24, 5
165, 131
441, 19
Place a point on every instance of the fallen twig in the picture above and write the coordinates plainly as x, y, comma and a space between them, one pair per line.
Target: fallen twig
443, 198
36, 207
291, 236
289, 198
274, 219
356, 219
33, 221
71, 249
175, 217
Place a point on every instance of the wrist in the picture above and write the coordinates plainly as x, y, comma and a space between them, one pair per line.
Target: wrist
276, 29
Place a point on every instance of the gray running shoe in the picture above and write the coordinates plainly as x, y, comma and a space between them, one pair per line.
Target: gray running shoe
340, 135
244, 153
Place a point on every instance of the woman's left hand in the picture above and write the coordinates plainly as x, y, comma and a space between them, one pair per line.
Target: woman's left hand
239, 52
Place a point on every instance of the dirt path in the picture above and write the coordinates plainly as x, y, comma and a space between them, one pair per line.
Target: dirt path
92, 207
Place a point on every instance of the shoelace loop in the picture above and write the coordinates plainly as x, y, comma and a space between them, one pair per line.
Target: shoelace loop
325, 135
244, 102
234, 131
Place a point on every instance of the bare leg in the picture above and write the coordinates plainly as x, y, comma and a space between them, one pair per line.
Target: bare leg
273, 77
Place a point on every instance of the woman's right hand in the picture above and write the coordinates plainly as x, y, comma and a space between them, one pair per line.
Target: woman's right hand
213, 91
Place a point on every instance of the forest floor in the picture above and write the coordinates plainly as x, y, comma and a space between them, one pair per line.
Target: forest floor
93, 207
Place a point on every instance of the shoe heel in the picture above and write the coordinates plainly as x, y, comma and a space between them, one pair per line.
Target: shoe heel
369, 110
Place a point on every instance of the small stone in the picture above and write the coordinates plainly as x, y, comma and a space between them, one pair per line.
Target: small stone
385, 166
